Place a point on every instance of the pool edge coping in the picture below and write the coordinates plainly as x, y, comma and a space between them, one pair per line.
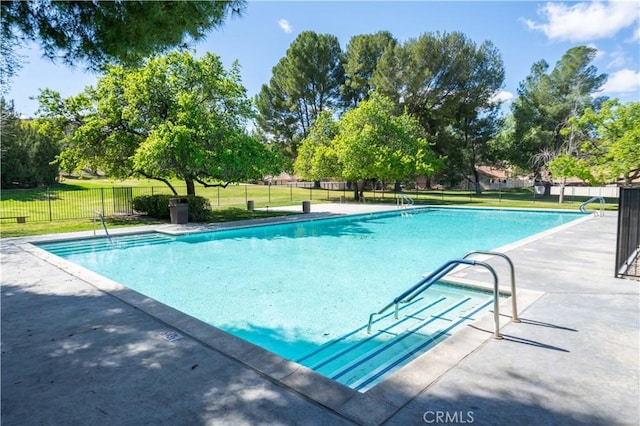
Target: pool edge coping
372, 407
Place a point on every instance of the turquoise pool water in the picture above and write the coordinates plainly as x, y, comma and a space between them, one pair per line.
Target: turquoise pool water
305, 290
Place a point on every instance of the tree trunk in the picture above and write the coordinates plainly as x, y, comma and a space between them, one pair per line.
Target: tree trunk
476, 178
191, 188
563, 183
356, 191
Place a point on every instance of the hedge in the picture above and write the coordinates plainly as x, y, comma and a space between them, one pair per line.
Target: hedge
158, 206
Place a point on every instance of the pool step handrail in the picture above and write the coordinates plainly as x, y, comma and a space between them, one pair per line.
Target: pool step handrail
403, 200
435, 276
514, 302
104, 225
591, 200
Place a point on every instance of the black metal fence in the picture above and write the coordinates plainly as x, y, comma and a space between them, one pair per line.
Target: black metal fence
48, 204
73, 202
628, 241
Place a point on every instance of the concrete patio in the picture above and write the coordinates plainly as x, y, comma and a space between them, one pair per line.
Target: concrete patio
77, 349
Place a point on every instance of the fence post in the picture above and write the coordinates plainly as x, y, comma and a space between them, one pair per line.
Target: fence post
49, 202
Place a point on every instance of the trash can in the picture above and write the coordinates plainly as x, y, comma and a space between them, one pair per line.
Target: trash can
179, 210
306, 206
251, 205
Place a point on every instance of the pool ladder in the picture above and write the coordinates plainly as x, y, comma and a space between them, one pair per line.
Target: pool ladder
442, 271
403, 200
591, 200
104, 225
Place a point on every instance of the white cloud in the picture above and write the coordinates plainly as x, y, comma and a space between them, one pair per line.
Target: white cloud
285, 25
585, 21
636, 35
619, 58
623, 81
502, 97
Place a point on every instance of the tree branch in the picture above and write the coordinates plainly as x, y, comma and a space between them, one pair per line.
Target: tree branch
210, 185
165, 181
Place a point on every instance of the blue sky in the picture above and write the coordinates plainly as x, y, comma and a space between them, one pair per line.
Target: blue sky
523, 31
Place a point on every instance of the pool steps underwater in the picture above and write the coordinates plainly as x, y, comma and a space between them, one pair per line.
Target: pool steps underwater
360, 360
99, 244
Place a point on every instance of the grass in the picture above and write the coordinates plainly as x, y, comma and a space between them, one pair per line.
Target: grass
71, 205
231, 214
515, 198
8, 230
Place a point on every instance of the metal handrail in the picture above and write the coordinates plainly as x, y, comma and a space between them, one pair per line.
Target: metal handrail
432, 278
591, 200
104, 225
514, 303
401, 199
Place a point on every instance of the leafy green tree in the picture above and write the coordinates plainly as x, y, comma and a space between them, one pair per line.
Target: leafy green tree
175, 117
28, 151
361, 58
305, 82
612, 147
369, 142
13, 158
61, 117
105, 32
564, 166
316, 157
449, 83
546, 103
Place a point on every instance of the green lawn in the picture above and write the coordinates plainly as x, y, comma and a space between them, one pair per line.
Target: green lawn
71, 205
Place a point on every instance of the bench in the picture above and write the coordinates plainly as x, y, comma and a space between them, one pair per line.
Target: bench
19, 219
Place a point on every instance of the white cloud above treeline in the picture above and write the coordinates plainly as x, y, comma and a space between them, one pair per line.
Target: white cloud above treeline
623, 81
586, 21
285, 25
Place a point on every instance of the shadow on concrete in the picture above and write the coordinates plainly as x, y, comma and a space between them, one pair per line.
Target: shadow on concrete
87, 358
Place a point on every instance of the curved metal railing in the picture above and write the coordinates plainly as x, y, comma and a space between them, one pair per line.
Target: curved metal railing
591, 200
435, 276
403, 200
514, 302
104, 225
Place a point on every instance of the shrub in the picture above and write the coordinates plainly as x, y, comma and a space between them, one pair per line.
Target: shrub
199, 208
158, 206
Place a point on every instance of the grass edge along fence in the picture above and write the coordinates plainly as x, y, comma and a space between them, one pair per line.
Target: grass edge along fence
67, 202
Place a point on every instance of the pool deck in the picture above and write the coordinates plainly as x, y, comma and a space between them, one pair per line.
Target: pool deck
75, 351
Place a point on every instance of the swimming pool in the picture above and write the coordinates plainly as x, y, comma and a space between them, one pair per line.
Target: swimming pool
305, 290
